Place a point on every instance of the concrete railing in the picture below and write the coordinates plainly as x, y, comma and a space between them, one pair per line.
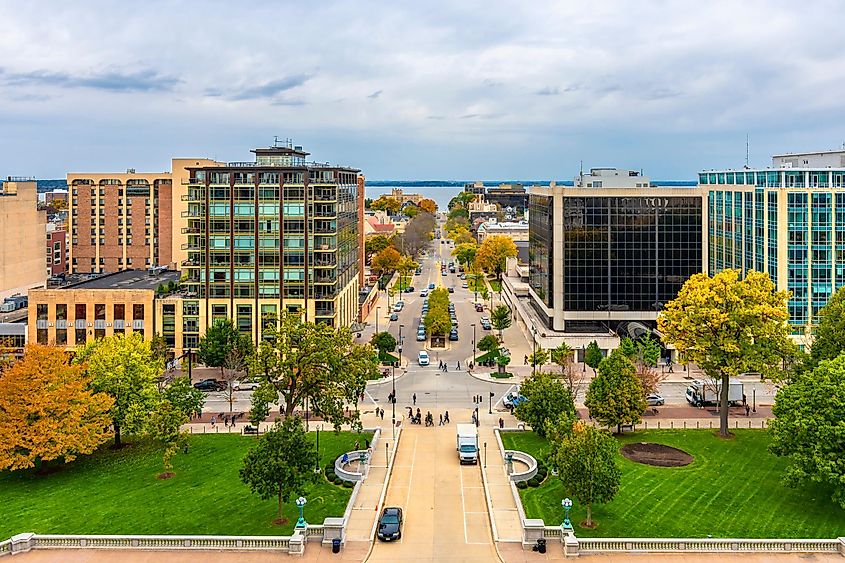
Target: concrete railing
710, 545
525, 458
356, 476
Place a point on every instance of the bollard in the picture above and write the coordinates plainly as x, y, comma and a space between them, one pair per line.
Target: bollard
685, 425
658, 425
737, 424
672, 424
711, 425
749, 424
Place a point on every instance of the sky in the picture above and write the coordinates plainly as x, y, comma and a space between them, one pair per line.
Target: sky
421, 90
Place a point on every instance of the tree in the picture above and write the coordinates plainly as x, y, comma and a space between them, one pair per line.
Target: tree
218, 342
233, 366
645, 353
182, 395
417, 234
260, 404
538, 358
615, 396
465, 252
428, 205
123, 367
48, 410
410, 211
502, 362
318, 362
385, 261
628, 348
406, 266
829, 334
728, 326
494, 252
164, 425
161, 351
593, 355
386, 203
501, 319
376, 243
648, 350
488, 343
808, 427
461, 235
548, 400
438, 321
573, 378
458, 219
384, 342
585, 459
281, 463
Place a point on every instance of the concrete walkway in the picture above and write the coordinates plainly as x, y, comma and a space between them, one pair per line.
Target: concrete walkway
446, 516
502, 505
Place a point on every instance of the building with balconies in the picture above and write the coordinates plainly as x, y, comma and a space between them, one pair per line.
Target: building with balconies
277, 234
22, 228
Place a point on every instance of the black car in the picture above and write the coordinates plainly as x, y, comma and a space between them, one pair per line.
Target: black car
209, 385
451, 290
390, 524
394, 316
410, 289
453, 335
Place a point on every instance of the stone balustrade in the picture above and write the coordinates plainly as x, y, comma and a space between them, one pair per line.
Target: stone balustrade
525, 458
710, 545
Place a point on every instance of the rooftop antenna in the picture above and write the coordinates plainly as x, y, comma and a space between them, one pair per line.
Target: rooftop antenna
746, 150
581, 172
275, 140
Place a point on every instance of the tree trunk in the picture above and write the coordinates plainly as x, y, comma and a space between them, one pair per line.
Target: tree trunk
280, 503
116, 435
289, 406
589, 515
723, 406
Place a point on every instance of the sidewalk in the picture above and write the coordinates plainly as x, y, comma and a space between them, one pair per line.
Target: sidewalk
504, 513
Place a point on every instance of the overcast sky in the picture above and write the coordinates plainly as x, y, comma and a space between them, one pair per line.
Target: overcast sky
421, 90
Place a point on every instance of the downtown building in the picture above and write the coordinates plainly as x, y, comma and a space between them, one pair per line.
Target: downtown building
788, 221
243, 240
605, 255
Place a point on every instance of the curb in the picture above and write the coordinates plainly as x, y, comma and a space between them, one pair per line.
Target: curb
487, 379
384, 380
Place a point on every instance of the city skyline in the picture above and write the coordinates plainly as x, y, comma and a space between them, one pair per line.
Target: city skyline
410, 92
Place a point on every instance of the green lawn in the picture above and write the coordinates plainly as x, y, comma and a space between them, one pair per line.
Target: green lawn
403, 283
495, 285
732, 489
116, 492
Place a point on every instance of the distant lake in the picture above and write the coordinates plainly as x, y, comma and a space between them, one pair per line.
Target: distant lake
440, 194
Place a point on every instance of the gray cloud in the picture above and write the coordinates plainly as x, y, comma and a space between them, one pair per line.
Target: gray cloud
147, 80
375, 94
266, 90
548, 91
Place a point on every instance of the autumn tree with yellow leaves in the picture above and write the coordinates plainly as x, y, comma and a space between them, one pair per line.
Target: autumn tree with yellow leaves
48, 411
728, 326
493, 254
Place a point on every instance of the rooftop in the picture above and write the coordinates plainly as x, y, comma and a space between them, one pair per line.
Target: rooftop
128, 279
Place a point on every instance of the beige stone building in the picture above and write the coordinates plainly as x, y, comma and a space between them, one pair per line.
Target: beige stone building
22, 235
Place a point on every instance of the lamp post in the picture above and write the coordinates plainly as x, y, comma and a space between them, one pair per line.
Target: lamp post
473, 343
534, 354
301, 524
490, 409
567, 506
754, 400
583, 358
317, 469
377, 312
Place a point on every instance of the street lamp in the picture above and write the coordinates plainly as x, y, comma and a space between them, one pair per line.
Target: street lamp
583, 358
567, 506
490, 410
473, 343
301, 524
534, 355
377, 310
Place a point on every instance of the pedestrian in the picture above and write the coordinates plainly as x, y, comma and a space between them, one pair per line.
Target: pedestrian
213, 420
525, 360
226, 420
446, 417
459, 364
415, 399
441, 419
357, 445
445, 368
345, 459
234, 416
382, 414
747, 410
501, 422
744, 400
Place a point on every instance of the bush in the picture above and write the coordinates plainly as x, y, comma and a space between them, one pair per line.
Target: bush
521, 485
497, 375
331, 477
338, 480
534, 482
349, 484
328, 469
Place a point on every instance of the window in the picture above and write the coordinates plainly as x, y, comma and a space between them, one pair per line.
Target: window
138, 311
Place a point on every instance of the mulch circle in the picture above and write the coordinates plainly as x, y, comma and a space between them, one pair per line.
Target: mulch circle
656, 454
166, 475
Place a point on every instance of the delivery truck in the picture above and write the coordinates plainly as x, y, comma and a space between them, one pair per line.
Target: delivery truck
703, 393
467, 443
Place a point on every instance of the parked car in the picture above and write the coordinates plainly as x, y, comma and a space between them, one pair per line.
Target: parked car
655, 400
513, 399
451, 290
431, 286
453, 335
485, 319
390, 524
209, 385
398, 306
486, 325
410, 289
465, 285
422, 358
420, 336
479, 308
394, 316
443, 273
418, 271
424, 293
246, 385
463, 276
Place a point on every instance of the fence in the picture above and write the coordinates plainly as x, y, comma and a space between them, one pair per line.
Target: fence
710, 545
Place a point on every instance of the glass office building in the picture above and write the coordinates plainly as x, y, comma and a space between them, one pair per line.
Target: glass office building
788, 220
602, 257
277, 234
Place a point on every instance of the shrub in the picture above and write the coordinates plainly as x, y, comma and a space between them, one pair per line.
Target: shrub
534, 482
338, 480
331, 476
521, 485
349, 484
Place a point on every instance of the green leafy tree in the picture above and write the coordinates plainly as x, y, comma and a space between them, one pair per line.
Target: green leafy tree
562, 355
260, 404
585, 459
437, 321
384, 342
411, 211
548, 400
829, 334
386, 203
809, 427
182, 395
615, 396
628, 348
318, 362
648, 350
728, 326
488, 343
219, 340
464, 253
281, 463
161, 351
502, 362
123, 367
501, 319
593, 355
406, 266
538, 358
376, 243
164, 425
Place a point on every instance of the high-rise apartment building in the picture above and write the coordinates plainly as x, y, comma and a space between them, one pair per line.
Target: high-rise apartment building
22, 230
606, 254
277, 234
787, 220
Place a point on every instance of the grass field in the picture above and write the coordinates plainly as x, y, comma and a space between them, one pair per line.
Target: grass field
495, 285
732, 489
116, 492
